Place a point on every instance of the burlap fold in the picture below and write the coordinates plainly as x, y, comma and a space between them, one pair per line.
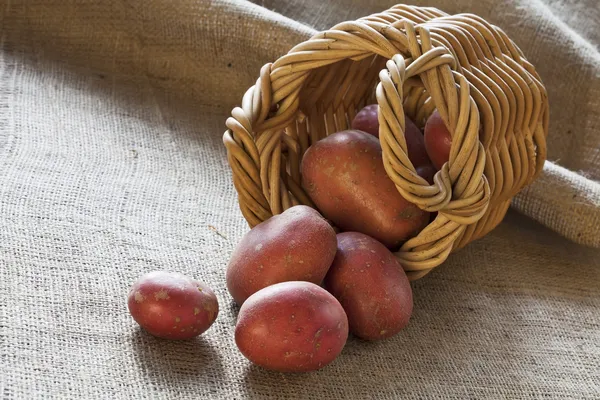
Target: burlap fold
111, 117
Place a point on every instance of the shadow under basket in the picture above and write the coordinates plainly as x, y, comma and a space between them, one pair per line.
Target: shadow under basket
409, 60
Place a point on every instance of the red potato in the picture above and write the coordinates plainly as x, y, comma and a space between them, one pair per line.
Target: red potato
366, 121
345, 177
291, 327
371, 286
172, 306
415, 144
426, 172
297, 245
437, 140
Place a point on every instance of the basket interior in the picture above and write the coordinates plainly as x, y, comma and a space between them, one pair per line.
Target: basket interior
330, 98
333, 94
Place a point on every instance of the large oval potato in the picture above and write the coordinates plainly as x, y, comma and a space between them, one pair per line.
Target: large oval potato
371, 286
172, 306
296, 245
291, 327
345, 177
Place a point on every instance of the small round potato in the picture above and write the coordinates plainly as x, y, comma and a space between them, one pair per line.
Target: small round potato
371, 286
437, 140
367, 120
296, 245
291, 327
171, 305
415, 144
427, 172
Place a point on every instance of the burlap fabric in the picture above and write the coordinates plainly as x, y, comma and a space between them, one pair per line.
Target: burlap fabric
111, 116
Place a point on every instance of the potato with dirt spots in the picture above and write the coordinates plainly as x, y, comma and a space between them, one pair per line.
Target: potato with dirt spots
171, 305
371, 285
344, 175
291, 327
296, 245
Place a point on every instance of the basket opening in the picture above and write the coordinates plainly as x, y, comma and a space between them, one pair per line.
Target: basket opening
332, 95
329, 99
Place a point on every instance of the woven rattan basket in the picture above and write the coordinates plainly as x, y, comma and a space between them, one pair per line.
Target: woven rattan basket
407, 59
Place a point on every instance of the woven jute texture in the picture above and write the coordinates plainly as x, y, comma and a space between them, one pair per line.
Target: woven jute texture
112, 164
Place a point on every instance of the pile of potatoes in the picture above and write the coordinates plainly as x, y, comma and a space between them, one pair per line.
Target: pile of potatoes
302, 288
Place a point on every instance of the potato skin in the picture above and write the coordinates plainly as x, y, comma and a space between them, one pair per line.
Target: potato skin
345, 177
296, 245
171, 305
426, 172
415, 144
291, 327
437, 140
366, 120
371, 286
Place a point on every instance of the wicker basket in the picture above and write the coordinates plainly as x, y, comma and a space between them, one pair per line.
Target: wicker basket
407, 59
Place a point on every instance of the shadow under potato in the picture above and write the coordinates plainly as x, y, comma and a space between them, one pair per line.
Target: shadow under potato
234, 308
174, 360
